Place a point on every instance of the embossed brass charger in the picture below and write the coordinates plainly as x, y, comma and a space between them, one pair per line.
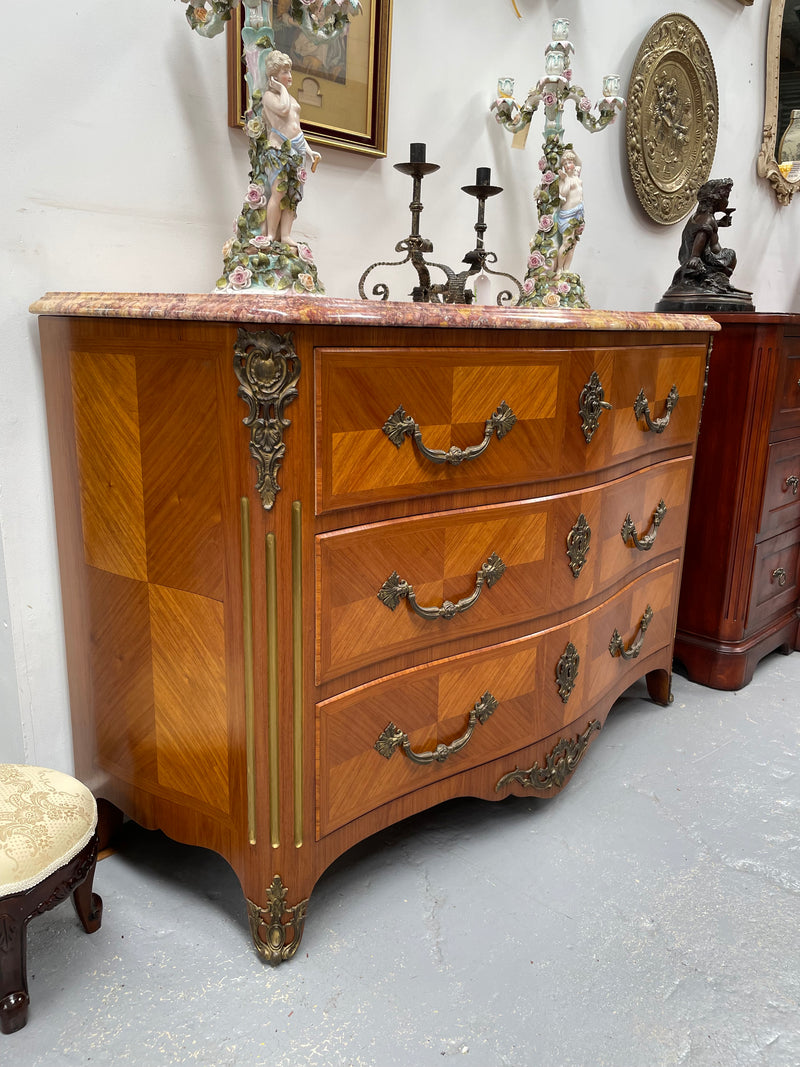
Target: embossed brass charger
671, 125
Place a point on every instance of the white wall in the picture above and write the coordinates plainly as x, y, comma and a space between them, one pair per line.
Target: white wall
118, 172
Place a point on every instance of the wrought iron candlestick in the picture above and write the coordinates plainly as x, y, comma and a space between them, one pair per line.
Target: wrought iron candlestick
559, 197
454, 290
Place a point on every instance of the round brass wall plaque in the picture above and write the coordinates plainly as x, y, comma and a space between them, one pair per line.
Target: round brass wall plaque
671, 125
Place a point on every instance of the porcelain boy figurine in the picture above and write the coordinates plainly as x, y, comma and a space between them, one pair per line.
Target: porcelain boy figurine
285, 165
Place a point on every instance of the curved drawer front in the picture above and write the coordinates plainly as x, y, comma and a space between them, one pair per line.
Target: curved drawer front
496, 566
782, 489
387, 419
523, 690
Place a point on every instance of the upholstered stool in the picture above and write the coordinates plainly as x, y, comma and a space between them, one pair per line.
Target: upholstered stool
48, 849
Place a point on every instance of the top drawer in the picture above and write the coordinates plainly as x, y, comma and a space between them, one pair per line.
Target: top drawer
401, 423
787, 398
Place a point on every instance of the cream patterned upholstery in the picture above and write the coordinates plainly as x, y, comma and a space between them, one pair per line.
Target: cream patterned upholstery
46, 818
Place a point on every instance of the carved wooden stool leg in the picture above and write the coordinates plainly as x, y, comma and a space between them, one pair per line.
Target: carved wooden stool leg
88, 905
13, 973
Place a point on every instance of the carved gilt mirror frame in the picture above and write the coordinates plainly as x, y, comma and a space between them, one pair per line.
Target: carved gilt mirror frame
767, 164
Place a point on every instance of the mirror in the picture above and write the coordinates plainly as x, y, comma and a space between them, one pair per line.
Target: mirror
779, 158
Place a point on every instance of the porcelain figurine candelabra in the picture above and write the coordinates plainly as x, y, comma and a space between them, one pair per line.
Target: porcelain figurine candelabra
549, 282
262, 255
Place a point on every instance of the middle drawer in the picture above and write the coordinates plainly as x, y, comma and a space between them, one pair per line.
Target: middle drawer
406, 585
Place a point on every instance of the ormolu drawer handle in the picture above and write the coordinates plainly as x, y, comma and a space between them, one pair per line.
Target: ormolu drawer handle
399, 426
780, 575
616, 646
792, 482
393, 737
643, 544
395, 588
641, 410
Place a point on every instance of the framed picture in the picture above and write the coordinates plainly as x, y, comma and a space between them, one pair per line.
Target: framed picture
342, 85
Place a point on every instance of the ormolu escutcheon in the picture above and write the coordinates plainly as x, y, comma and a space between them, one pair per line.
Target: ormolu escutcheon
578, 544
567, 671
591, 404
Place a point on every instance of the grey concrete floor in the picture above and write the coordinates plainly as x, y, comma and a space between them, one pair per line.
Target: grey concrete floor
648, 916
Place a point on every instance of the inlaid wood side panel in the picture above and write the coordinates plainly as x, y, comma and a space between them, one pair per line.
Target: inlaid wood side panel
107, 439
122, 676
451, 393
182, 473
431, 704
191, 719
440, 556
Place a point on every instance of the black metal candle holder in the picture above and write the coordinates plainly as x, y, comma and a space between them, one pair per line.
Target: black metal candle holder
454, 290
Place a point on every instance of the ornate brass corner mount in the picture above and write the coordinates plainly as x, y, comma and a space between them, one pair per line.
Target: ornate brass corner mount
268, 370
567, 671
399, 426
641, 409
645, 543
578, 544
393, 737
616, 646
395, 589
558, 766
276, 929
591, 404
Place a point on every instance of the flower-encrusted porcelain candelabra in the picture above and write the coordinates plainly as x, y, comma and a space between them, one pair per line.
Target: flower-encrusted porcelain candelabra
261, 255
549, 282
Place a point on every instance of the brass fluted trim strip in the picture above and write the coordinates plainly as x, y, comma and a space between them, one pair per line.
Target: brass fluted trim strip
272, 691
297, 666
249, 688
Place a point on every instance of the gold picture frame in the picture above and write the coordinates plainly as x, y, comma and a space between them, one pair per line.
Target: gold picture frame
342, 86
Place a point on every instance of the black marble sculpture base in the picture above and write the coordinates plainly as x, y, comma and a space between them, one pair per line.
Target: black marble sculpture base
702, 303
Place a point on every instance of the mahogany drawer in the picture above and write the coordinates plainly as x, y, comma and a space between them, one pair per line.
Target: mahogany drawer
781, 507
533, 686
775, 578
387, 419
525, 560
787, 399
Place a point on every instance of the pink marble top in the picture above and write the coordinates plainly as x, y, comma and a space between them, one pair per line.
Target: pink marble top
251, 307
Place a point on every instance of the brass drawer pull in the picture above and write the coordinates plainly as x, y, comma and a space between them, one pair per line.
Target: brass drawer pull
792, 482
399, 426
641, 410
643, 544
779, 574
395, 588
393, 737
616, 646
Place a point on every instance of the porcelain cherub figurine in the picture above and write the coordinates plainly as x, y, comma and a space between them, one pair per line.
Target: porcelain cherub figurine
262, 255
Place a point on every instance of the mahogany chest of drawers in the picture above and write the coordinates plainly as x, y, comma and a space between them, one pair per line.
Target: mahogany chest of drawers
739, 595
328, 563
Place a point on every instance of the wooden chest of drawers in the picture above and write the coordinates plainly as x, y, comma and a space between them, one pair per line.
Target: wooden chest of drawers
327, 563
739, 595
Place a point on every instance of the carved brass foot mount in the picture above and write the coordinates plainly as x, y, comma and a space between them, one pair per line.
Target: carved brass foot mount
277, 929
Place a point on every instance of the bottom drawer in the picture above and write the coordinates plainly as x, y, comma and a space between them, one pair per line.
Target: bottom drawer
383, 740
775, 578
